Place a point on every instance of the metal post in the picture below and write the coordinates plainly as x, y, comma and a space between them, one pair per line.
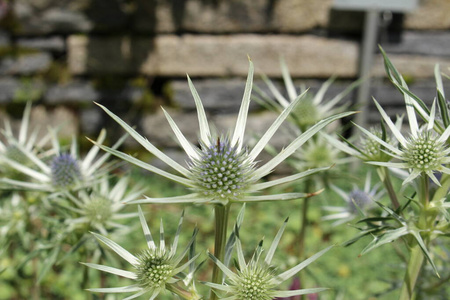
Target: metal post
365, 66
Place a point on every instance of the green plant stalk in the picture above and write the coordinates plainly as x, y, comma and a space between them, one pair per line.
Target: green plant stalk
304, 219
389, 187
443, 190
303, 226
221, 213
417, 257
414, 266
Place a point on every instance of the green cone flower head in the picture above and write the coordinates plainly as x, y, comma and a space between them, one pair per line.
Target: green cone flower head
374, 151
312, 108
307, 113
258, 279
65, 171
156, 269
317, 154
254, 283
98, 210
100, 207
223, 169
425, 152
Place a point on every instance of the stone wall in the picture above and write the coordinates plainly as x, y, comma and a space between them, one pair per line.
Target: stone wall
133, 57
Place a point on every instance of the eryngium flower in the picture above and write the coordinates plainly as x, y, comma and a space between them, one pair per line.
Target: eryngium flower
223, 169
312, 108
155, 269
421, 152
258, 278
65, 171
100, 207
356, 201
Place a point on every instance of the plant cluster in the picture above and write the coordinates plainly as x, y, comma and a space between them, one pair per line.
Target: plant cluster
59, 207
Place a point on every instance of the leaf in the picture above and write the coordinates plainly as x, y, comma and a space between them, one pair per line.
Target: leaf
385, 238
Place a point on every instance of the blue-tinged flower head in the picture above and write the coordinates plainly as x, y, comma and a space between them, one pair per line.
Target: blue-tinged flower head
359, 198
59, 168
222, 171
65, 170
356, 201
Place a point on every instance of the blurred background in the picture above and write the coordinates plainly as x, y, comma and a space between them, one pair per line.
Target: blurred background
133, 56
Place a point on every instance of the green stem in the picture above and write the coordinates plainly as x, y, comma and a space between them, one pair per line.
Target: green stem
85, 279
221, 215
414, 266
304, 220
416, 258
303, 226
442, 191
390, 188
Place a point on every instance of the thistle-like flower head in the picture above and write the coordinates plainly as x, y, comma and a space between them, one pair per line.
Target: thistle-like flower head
59, 170
312, 108
65, 171
422, 152
155, 269
357, 200
425, 152
258, 279
100, 207
372, 150
222, 172
223, 169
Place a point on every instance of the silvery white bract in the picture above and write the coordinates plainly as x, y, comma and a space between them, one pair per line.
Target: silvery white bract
11, 144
